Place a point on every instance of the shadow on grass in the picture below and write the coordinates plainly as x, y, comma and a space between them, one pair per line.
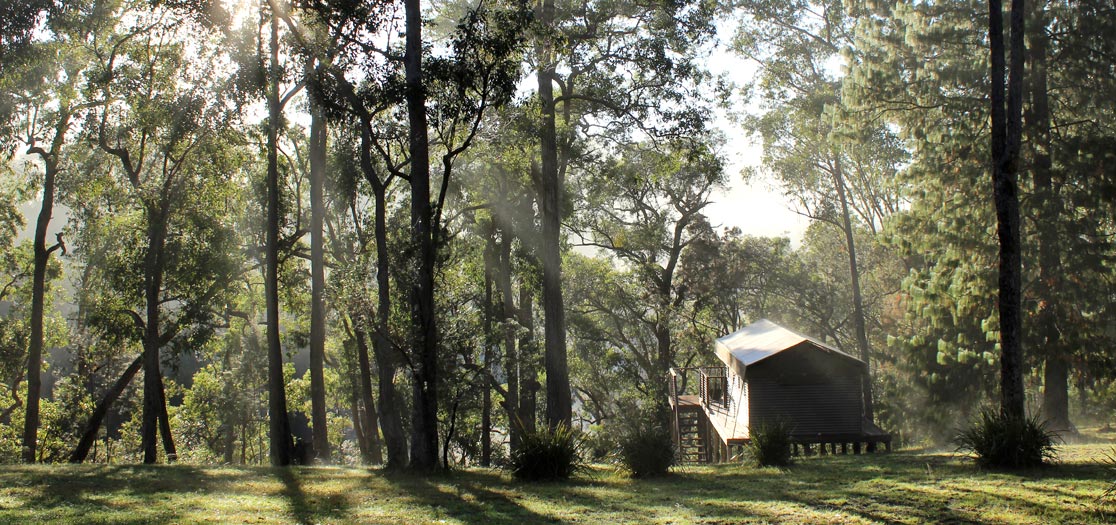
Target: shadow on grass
474, 497
903, 487
129, 493
312, 508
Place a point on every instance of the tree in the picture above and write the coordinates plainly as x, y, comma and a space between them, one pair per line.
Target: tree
280, 426
424, 328
41, 104
584, 50
647, 210
1006, 138
159, 123
318, 149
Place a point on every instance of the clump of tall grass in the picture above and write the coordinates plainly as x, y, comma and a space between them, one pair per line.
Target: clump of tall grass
997, 440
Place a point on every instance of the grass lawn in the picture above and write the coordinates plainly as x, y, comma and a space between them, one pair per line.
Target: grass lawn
903, 487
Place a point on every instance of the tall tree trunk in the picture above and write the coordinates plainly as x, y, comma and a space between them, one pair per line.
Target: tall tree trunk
489, 341
424, 418
38, 292
1055, 400
317, 284
38, 287
858, 299
559, 408
279, 429
153, 286
528, 373
511, 359
371, 424
93, 426
391, 408
1006, 124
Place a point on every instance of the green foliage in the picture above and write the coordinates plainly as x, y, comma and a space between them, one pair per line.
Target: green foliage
1000, 441
646, 449
770, 444
10, 438
548, 455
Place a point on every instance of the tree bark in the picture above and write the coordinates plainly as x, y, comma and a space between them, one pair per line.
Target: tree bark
164, 424
153, 286
559, 410
511, 359
279, 428
1006, 124
89, 435
489, 340
858, 299
391, 416
317, 284
528, 375
38, 292
1055, 400
38, 288
371, 424
424, 417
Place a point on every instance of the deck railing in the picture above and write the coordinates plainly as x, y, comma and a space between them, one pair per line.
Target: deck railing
714, 385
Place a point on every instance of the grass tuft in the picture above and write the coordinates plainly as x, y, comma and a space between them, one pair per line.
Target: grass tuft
770, 444
1000, 441
548, 455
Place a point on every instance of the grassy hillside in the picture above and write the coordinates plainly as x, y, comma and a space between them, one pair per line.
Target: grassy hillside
905, 487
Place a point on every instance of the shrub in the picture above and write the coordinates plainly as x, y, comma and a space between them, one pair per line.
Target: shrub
1109, 495
770, 444
1000, 441
646, 449
547, 455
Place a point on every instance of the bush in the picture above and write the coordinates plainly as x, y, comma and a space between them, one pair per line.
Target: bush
547, 455
770, 444
646, 449
1000, 441
1109, 495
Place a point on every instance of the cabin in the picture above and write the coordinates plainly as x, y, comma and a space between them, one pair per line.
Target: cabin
769, 374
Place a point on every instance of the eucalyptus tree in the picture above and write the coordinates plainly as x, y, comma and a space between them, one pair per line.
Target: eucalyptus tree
18, 21
346, 66
40, 107
443, 96
280, 426
478, 75
645, 210
617, 67
497, 188
167, 138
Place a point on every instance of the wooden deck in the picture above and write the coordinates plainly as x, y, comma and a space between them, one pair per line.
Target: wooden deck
731, 431
689, 402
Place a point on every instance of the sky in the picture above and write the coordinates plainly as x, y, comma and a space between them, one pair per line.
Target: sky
757, 207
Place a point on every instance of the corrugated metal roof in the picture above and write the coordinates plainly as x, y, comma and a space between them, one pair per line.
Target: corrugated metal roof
760, 340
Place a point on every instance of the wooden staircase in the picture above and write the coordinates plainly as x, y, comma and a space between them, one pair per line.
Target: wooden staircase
691, 443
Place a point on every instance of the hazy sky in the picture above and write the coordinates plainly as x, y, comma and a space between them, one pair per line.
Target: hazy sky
755, 207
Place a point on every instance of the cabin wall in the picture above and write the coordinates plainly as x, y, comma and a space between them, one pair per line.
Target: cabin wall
738, 397
813, 390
